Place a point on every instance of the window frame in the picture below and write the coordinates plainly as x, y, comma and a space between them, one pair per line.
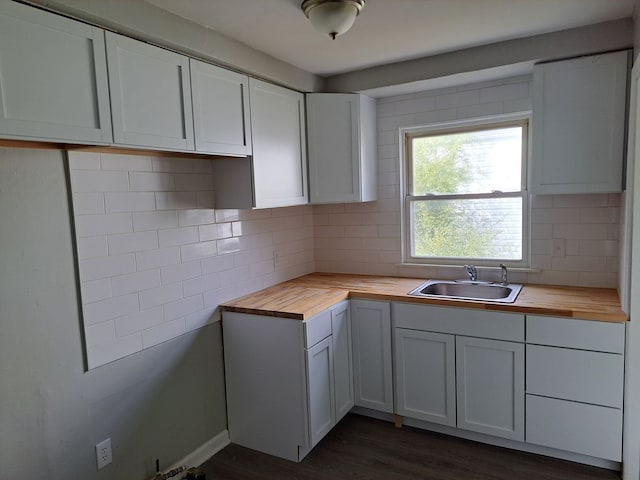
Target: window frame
407, 199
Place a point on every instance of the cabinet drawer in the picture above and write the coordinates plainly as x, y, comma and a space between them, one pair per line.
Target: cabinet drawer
589, 377
575, 427
460, 321
317, 328
574, 333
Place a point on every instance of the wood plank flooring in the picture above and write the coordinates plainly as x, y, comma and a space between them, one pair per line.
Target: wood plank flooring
361, 448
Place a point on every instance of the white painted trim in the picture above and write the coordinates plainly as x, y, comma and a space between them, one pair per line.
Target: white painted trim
631, 427
491, 440
204, 452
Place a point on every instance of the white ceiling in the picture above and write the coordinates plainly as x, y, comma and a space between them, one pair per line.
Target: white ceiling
389, 30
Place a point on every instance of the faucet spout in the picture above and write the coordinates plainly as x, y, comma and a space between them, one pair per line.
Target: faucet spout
504, 276
472, 272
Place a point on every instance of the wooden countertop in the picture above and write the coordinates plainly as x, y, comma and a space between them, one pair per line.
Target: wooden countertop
303, 297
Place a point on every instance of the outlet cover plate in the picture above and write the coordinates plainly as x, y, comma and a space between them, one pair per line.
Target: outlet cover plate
103, 453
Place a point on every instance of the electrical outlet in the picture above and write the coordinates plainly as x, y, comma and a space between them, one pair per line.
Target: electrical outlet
103, 453
276, 258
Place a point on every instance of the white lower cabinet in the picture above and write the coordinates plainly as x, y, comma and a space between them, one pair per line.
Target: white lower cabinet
288, 381
490, 387
372, 354
426, 376
575, 379
445, 377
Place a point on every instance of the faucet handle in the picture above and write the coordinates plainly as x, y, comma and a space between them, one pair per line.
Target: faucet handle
472, 272
505, 279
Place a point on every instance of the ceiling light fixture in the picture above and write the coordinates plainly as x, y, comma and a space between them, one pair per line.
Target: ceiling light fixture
332, 17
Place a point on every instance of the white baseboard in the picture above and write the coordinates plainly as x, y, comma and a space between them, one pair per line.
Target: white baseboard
204, 451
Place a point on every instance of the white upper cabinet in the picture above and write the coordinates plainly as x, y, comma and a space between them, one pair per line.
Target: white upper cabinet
579, 125
150, 95
341, 132
279, 147
276, 174
221, 114
53, 77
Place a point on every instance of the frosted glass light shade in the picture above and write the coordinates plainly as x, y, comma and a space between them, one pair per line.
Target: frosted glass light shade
332, 18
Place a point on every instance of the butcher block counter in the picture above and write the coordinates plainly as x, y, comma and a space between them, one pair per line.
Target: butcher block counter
303, 297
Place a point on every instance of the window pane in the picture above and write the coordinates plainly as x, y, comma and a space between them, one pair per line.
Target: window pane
475, 228
479, 161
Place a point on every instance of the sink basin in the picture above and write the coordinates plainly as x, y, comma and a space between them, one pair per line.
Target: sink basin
467, 290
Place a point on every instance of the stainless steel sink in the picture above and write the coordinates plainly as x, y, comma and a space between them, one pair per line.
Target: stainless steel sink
469, 290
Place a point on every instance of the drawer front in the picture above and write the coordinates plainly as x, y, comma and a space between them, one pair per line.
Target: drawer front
460, 321
575, 333
582, 376
317, 328
574, 427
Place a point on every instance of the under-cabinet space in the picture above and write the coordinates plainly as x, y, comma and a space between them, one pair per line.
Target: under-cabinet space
341, 133
53, 78
150, 95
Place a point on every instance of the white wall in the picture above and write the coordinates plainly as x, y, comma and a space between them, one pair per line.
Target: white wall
574, 237
163, 402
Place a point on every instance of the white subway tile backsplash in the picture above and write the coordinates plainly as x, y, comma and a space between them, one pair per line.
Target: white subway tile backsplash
180, 272
103, 332
136, 322
108, 352
157, 258
135, 282
183, 307
116, 202
178, 236
152, 182
217, 264
113, 161
151, 249
189, 218
200, 250
160, 295
163, 332
95, 290
103, 267
91, 247
155, 220
88, 203
132, 242
114, 307
201, 284
99, 181
176, 200
92, 225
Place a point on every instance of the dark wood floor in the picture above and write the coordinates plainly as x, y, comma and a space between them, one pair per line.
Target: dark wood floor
363, 448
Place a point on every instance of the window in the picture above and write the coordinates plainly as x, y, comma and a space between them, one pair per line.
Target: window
465, 198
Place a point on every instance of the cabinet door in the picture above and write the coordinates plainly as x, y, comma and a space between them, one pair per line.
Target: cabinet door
425, 376
53, 77
342, 148
372, 369
342, 360
279, 147
579, 124
221, 114
322, 415
490, 381
150, 95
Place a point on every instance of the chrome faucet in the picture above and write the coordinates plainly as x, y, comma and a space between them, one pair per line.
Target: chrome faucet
504, 279
472, 272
